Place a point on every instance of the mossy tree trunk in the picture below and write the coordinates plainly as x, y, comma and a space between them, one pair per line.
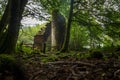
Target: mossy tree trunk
16, 10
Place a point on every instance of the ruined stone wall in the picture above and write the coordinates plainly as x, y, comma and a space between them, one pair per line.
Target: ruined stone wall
58, 28
43, 37
38, 42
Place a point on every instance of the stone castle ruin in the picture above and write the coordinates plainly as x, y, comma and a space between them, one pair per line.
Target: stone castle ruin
52, 37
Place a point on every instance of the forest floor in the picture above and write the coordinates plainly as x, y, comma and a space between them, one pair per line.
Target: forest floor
66, 67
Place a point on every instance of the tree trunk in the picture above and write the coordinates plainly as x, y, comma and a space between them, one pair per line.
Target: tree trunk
5, 18
4, 22
17, 8
67, 36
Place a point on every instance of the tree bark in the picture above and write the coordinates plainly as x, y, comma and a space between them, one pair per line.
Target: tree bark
17, 8
4, 22
67, 36
5, 18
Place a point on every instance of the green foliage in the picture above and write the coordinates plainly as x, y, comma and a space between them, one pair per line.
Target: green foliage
81, 55
49, 58
66, 55
51, 5
24, 49
100, 21
79, 35
26, 34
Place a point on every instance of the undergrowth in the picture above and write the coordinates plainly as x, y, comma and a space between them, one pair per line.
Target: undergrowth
71, 55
